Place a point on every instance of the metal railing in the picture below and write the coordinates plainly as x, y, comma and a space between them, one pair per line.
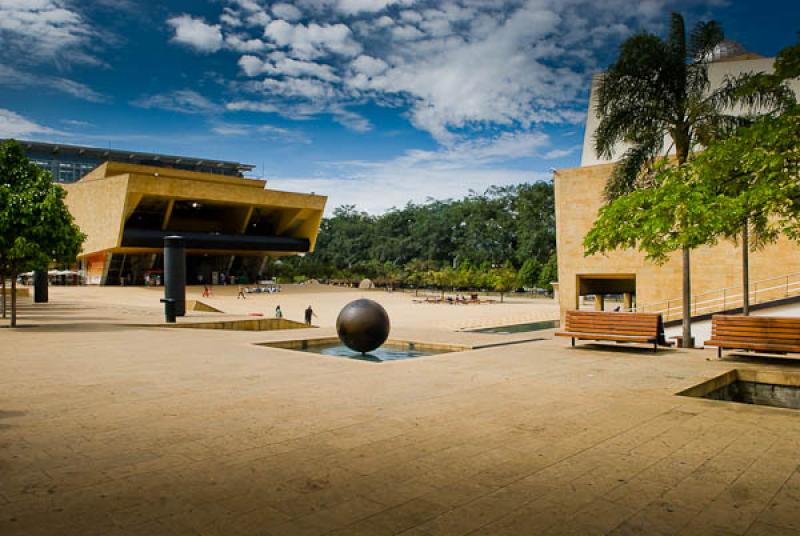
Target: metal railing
723, 299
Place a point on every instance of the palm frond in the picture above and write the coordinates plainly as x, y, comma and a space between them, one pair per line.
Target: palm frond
714, 126
702, 40
787, 63
751, 93
635, 162
632, 96
677, 36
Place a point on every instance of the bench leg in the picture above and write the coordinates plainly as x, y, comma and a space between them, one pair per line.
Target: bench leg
719, 352
655, 348
573, 342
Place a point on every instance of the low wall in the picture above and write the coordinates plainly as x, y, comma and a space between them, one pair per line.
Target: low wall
256, 324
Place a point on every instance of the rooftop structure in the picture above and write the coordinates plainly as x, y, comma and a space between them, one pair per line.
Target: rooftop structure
68, 163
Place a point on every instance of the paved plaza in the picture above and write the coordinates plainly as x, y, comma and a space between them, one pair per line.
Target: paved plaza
108, 427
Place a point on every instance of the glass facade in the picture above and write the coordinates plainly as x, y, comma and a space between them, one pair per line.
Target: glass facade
64, 171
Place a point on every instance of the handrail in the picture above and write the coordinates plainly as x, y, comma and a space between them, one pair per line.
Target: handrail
721, 299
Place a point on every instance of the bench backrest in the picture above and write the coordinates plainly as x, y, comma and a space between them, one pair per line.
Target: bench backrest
634, 324
766, 329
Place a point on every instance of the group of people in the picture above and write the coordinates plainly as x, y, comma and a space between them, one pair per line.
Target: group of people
308, 315
222, 279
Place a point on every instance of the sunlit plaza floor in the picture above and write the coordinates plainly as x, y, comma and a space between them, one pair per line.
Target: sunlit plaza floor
111, 428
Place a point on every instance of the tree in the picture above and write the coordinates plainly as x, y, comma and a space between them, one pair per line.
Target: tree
528, 275
35, 226
536, 222
736, 159
757, 169
658, 89
502, 279
549, 273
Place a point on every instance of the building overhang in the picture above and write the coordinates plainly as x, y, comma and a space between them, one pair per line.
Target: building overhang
132, 207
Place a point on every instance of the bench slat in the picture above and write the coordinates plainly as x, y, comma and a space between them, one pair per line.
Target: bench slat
600, 336
770, 321
590, 323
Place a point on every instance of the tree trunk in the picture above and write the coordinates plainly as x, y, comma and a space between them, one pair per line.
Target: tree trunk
13, 300
3, 298
745, 270
687, 300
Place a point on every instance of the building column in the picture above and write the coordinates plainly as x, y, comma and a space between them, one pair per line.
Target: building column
627, 300
599, 302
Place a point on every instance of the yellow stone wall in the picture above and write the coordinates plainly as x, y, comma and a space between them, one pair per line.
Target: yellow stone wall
579, 196
98, 207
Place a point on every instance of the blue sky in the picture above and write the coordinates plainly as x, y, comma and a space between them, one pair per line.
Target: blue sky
371, 102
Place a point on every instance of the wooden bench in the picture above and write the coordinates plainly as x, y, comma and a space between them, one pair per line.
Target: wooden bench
645, 328
772, 334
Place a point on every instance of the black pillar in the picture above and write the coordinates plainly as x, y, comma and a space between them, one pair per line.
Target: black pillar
175, 272
40, 293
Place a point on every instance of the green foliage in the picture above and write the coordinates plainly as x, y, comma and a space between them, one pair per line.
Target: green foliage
681, 211
528, 275
36, 228
419, 244
549, 273
757, 170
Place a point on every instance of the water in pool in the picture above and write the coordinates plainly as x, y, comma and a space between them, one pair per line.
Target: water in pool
519, 328
379, 355
390, 351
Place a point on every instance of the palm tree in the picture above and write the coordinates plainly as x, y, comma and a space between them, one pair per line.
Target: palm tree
658, 91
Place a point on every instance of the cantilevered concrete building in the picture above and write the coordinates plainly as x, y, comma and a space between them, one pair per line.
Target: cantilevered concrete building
128, 202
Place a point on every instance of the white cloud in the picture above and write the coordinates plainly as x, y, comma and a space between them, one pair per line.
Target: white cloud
12, 77
286, 12
354, 7
298, 87
241, 43
251, 106
77, 123
196, 33
44, 30
406, 33
185, 101
313, 40
13, 125
265, 131
351, 120
369, 66
254, 66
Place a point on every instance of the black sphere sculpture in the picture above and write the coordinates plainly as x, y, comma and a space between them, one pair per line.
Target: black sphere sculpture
363, 325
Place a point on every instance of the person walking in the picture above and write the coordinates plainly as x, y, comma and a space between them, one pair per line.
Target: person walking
206, 291
309, 313
278, 312
241, 293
